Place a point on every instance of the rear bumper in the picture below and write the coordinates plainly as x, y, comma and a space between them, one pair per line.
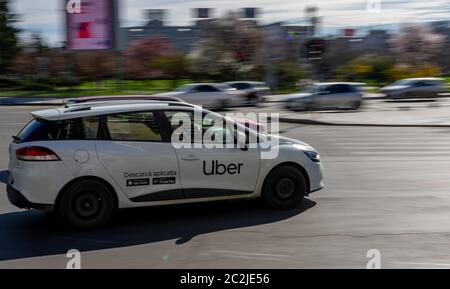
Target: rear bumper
18, 200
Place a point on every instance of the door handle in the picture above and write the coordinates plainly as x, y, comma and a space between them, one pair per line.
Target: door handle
191, 158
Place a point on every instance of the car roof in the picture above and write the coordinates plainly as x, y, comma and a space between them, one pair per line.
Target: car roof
90, 99
103, 108
203, 83
424, 78
244, 81
334, 83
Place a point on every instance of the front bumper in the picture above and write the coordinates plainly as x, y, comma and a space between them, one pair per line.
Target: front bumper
18, 200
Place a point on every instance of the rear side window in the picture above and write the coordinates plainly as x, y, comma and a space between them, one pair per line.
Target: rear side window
241, 86
72, 129
339, 88
139, 126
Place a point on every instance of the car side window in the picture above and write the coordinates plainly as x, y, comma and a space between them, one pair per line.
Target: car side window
74, 129
200, 127
241, 86
136, 126
338, 88
207, 88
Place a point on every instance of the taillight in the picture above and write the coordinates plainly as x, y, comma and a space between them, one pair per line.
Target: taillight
36, 154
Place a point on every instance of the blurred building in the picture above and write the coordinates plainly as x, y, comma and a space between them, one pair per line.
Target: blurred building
183, 38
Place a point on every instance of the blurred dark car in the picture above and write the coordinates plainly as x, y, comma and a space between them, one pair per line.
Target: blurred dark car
252, 90
326, 95
414, 88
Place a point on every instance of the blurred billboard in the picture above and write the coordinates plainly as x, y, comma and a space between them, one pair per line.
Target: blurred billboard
90, 24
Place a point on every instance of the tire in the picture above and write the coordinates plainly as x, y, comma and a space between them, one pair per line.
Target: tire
355, 105
253, 100
223, 104
86, 204
284, 188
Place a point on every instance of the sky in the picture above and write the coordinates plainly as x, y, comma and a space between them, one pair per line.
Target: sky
47, 18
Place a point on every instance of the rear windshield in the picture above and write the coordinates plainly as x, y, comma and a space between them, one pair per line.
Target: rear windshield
72, 129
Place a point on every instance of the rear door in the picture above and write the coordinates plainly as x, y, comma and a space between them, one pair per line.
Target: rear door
139, 157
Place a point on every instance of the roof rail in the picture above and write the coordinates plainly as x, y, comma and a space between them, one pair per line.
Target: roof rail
89, 105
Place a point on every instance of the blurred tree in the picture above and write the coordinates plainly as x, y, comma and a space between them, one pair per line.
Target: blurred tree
401, 71
289, 74
32, 61
172, 66
8, 36
367, 68
141, 54
231, 48
96, 65
416, 45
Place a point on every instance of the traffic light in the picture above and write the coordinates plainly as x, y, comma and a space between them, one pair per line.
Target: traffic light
315, 48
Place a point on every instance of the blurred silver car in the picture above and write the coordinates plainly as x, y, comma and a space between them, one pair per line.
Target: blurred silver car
253, 91
209, 95
329, 95
414, 88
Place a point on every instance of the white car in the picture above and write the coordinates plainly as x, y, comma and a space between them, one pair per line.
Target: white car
84, 162
326, 95
253, 91
414, 88
209, 95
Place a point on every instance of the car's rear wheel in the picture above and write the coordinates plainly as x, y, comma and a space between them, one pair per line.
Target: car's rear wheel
355, 105
284, 188
86, 204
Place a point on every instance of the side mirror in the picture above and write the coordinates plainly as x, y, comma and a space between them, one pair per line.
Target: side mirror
241, 140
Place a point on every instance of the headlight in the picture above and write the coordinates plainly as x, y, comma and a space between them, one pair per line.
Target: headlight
312, 155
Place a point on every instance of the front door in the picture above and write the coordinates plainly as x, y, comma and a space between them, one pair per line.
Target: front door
214, 172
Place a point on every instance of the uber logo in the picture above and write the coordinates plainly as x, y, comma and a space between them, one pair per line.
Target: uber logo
220, 169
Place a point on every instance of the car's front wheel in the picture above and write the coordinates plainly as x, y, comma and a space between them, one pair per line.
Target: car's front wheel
86, 204
355, 105
284, 188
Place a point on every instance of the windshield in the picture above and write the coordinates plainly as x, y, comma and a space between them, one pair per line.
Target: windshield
184, 88
402, 82
312, 88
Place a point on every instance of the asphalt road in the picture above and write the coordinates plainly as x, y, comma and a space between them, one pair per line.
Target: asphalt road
386, 189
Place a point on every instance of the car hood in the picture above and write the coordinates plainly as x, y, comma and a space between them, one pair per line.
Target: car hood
394, 87
295, 96
288, 141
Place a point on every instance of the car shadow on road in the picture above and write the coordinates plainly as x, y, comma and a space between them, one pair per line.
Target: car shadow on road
34, 233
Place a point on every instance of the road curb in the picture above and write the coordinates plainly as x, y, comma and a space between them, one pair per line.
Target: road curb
323, 123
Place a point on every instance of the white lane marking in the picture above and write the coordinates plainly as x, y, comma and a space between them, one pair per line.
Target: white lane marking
422, 264
250, 256
249, 253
